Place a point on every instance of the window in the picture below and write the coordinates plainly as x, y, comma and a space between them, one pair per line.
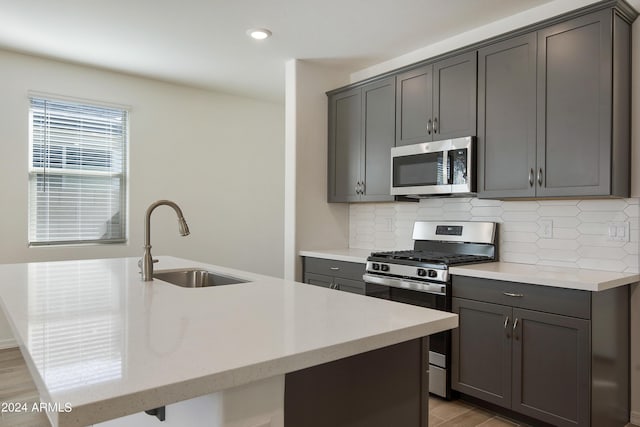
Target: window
77, 165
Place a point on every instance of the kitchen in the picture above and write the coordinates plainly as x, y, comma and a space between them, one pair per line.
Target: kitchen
295, 216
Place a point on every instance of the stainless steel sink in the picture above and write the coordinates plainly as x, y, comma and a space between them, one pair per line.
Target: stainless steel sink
195, 278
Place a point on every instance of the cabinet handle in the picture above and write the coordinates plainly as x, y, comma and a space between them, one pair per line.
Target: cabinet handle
531, 177
540, 176
511, 294
435, 125
334, 268
515, 325
362, 188
429, 127
506, 324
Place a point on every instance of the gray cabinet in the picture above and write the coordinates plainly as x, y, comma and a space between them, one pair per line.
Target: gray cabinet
553, 114
482, 351
507, 118
437, 101
340, 275
361, 134
537, 350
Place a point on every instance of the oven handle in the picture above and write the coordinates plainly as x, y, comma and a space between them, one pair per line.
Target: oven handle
396, 282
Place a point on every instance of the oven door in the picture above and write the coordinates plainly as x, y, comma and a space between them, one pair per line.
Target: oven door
439, 344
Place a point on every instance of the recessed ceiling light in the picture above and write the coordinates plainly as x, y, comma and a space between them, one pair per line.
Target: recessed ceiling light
259, 33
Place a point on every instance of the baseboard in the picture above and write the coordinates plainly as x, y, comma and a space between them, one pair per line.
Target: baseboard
635, 418
8, 343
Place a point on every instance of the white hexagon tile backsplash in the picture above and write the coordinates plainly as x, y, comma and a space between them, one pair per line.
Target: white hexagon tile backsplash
594, 234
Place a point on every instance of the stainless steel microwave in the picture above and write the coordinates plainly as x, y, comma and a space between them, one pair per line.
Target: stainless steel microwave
434, 168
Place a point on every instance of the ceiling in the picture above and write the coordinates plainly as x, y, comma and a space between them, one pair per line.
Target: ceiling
203, 43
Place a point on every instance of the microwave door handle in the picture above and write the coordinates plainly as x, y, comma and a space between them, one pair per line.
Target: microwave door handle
445, 167
450, 168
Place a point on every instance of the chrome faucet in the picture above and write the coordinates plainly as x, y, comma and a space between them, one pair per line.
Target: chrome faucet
146, 263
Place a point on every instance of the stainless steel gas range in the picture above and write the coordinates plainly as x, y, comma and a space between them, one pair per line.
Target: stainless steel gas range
421, 277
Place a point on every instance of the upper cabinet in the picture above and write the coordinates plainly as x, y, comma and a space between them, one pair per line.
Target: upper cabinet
554, 108
361, 134
507, 118
437, 101
550, 106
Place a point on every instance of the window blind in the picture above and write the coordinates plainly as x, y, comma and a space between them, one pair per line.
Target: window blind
77, 187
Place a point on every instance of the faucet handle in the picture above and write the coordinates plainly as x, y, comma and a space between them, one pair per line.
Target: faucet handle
155, 260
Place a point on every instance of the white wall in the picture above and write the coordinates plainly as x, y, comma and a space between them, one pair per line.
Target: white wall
220, 157
310, 222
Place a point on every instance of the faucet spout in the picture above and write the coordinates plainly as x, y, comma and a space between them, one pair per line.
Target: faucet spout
147, 259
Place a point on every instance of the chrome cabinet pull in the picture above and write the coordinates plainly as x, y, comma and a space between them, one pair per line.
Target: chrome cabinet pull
362, 187
334, 268
435, 125
515, 325
506, 324
540, 176
359, 187
511, 294
531, 177
429, 127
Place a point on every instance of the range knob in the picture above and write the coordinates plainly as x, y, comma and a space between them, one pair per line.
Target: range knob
433, 273
422, 272
384, 267
375, 266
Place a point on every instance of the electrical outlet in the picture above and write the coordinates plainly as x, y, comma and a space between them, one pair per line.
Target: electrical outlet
618, 231
546, 228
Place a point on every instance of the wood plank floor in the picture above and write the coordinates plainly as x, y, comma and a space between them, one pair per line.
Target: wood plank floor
16, 385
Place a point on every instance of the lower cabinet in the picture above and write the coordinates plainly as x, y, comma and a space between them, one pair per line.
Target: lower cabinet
543, 352
340, 275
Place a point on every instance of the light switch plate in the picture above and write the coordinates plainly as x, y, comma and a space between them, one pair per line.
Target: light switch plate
618, 231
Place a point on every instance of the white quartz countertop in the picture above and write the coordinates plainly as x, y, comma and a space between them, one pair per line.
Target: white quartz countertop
98, 339
560, 277
343, 254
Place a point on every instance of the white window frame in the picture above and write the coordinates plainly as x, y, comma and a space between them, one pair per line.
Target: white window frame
78, 175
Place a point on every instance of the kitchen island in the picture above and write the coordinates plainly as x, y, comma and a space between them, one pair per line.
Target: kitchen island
103, 346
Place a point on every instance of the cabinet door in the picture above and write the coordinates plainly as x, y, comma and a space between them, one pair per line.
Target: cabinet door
345, 111
318, 280
348, 285
378, 129
454, 96
481, 350
551, 368
414, 106
574, 107
507, 118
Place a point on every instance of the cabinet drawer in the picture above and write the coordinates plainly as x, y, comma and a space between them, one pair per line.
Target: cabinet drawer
567, 302
347, 270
